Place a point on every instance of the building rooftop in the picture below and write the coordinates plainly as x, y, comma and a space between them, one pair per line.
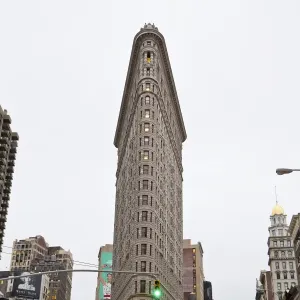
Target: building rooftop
150, 26
277, 210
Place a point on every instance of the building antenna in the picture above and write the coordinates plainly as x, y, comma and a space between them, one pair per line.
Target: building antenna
276, 195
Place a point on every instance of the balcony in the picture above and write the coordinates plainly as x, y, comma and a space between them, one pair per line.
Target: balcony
6, 119
9, 177
6, 126
3, 210
5, 197
5, 204
4, 141
13, 150
8, 183
11, 163
14, 136
2, 217
9, 169
3, 154
12, 156
4, 133
6, 190
3, 147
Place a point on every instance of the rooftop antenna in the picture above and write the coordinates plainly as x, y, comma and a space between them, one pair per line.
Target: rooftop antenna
276, 195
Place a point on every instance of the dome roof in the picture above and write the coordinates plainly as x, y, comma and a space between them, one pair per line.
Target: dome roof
277, 210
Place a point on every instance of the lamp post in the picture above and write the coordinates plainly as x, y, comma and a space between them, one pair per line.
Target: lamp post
283, 171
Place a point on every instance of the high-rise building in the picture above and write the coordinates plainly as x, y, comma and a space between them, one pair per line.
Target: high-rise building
8, 150
193, 275
148, 232
103, 290
281, 253
294, 230
35, 255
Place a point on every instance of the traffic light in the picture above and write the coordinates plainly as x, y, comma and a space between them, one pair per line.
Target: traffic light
157, 290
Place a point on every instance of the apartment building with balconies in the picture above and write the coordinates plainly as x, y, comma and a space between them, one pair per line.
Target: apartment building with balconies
8, 150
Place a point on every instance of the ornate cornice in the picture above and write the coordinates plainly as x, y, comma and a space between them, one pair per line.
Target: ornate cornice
158, 37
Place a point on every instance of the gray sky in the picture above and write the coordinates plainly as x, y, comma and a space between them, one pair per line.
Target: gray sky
236, 66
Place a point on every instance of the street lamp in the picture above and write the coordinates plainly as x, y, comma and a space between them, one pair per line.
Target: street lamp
282, 171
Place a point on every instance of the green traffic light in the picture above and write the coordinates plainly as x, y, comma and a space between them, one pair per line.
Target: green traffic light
157, 293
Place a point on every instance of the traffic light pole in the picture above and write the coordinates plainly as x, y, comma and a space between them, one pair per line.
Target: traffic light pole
150, 274
154, 275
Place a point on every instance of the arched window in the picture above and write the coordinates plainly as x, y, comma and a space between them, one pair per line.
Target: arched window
148, 57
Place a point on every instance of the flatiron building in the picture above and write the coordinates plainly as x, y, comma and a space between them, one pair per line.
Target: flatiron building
148, 235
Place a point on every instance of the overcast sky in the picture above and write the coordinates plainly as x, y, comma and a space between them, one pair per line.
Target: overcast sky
236, 66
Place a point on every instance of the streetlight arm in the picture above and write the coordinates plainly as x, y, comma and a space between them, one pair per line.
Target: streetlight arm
283, 171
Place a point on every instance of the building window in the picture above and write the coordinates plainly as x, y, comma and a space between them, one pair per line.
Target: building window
144, 216
286, 285
146, 141
276, 254
145, 169
143, 266
145, 200
143, 286
280, 232
148, 72
278, 286
273, 232
292, 275
143, 249
289, 243
285, 275
293, 284
145, 184
150, 251
284, 265
275, 243
147, 113
278, 275
148, 43
291, 265
147, 127
137, 233
281, 243
137, 250
277, 265
148, 57
136, 266
150, 267
144, 231
147, 86
146, 155
282, 253
135, 287
147, 100
290, 253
